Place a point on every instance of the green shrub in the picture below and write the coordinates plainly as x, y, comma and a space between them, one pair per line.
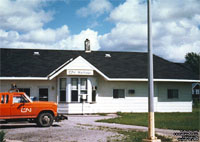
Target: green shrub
2, 134
196, 103
119, 113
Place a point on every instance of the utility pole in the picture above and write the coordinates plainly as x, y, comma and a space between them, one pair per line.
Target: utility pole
151, 128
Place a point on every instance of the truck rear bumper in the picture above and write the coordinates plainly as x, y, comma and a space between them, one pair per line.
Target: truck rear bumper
60, 117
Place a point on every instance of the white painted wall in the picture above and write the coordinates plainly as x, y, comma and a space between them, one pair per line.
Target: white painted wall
105, 103
182, 104
34, 87
138, 102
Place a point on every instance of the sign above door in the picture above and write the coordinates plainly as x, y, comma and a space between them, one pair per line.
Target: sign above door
80, 72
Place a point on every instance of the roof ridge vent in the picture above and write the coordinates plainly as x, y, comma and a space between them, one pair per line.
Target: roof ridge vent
107, 55
36, 53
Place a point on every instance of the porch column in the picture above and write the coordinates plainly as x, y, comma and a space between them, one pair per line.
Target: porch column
89, 90
68, 90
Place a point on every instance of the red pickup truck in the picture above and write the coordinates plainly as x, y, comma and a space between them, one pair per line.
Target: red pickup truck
17, 106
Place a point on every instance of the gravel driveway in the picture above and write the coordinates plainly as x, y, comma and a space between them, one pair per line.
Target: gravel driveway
75, 129
78, 128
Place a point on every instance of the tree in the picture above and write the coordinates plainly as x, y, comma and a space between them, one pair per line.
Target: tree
193, 60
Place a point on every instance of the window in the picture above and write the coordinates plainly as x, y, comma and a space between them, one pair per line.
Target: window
118, 93
74, 83
62, 89
74, 89
94, 95
83, 85
172, 94
26, 90
131, 91
83, 88
197, 91
19, 99
2, 99
7, 99
43, 94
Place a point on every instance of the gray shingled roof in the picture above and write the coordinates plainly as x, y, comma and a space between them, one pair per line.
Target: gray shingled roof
22, 63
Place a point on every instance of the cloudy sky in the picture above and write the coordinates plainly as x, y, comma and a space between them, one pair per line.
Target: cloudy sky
112, 25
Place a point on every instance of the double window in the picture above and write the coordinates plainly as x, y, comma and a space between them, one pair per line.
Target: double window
76, 88
172, 93
79, 86
118, 93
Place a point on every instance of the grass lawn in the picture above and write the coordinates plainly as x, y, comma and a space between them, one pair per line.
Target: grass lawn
135, 136
129, 135
175, 121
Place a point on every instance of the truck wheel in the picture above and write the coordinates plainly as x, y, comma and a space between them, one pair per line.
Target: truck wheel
45, 119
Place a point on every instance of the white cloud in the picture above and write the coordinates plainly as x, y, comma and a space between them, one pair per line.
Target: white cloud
95, 7
22, 23
49, 36
52, 39
175, 28
125, 37
23, 15
76, 42
129, 12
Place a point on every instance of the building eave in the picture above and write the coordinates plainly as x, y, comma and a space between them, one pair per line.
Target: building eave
155, 80
23, 78
107, 78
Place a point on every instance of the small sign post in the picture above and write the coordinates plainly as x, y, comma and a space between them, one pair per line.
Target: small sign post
151, 129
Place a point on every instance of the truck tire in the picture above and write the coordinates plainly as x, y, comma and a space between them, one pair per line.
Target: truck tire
45, 119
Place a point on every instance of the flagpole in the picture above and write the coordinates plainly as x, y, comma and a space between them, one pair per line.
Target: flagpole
151, 120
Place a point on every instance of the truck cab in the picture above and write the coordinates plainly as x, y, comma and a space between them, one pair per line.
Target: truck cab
17, 105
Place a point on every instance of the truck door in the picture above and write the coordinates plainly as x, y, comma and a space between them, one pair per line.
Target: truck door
4, 105
21, 106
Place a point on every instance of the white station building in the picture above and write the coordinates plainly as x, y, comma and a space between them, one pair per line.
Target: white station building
97, 81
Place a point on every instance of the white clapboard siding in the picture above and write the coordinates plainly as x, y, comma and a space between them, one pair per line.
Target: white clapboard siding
174, 106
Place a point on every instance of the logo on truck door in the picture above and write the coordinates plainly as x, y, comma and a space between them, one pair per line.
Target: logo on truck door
24, 110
